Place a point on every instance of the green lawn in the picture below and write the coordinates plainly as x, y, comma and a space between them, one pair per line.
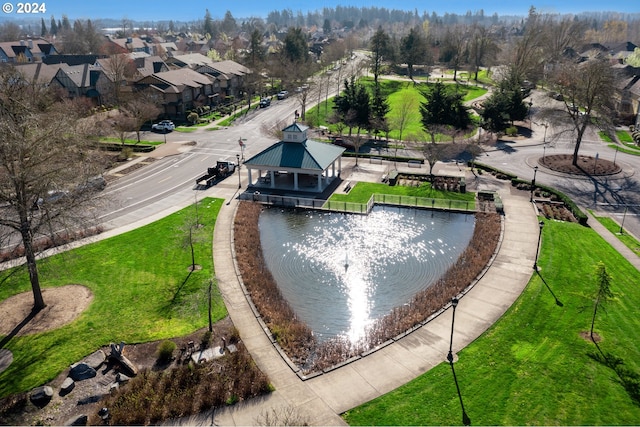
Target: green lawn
533, 367
397, 92
624, 136
142, 292
628, 240
362, 191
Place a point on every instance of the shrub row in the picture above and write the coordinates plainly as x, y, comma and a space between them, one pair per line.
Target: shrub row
297, 339
116, 146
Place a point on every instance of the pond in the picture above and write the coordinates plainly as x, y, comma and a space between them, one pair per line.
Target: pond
340, 272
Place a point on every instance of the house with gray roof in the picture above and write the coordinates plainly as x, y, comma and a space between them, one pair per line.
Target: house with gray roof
30, 50
296, 163
181, 90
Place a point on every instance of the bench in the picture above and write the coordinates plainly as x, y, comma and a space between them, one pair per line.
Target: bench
393, 177
414, 163
347, 187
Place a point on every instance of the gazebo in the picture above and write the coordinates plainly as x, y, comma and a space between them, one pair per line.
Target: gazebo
296, 163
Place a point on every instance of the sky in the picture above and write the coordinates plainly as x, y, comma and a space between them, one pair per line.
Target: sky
164, 10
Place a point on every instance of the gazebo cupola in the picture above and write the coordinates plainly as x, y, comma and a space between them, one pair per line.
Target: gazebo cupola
295, 132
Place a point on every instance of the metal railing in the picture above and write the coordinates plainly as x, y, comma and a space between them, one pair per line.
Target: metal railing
363, 208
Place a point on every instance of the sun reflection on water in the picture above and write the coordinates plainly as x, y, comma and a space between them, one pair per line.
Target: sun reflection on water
341, 272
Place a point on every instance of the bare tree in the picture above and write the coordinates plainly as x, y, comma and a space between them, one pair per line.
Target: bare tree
119, 68
558, 36
123, 124
403, 114
140, 110
483, 49
525, 55
40, 194
586, 89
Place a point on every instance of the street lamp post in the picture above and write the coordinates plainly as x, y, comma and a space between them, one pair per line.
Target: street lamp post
533, 182
535, 262
624, 215
238, 159
454, 304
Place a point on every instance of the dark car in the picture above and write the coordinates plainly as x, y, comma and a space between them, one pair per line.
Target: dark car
265, 102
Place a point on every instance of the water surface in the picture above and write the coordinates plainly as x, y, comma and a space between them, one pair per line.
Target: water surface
339, 272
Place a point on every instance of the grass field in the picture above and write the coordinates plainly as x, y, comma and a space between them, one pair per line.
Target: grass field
397, 92
142, 292
533, 367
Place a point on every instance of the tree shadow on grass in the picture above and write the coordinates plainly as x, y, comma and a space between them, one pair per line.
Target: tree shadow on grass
629, 379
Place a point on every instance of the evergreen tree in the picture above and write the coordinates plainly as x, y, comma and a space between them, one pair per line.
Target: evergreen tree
43, 28
413, 50
443, 110
208, 23
53, 27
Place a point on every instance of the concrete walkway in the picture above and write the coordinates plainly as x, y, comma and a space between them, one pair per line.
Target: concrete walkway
320, 400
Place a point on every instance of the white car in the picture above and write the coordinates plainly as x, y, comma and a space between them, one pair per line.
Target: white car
163, 126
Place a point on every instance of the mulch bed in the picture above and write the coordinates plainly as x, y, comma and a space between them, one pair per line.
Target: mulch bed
585, 166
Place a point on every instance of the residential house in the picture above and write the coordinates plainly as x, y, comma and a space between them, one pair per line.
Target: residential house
132, 44
182, 90
82, 80
229, 78
627, 93
22, 51
190, 60
39, 72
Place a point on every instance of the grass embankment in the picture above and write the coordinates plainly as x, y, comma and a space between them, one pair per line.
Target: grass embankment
628, 240
142, 289
533, 367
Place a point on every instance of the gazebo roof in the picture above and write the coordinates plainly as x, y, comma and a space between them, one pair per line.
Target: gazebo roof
306, 154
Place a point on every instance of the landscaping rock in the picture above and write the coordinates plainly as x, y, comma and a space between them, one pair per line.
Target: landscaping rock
81, 371
122, 378
41, 396
67, 385
95, 359
80, 420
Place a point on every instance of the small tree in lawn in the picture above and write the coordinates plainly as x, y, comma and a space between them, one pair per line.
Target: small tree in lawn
602, 295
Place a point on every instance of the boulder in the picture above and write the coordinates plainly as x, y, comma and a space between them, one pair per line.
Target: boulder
41, 396
95, 359
80, 420
81, 371
67, 385
122, 378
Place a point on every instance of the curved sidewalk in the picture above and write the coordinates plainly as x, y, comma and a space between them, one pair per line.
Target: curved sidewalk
320, 400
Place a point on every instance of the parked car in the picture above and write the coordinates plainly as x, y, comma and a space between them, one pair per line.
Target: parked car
283, 94
265, 102
163, 126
